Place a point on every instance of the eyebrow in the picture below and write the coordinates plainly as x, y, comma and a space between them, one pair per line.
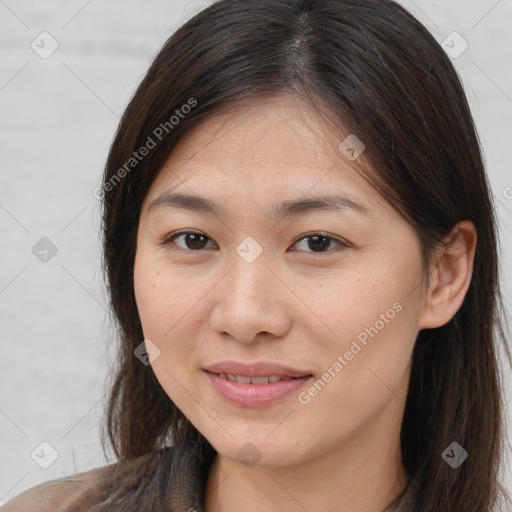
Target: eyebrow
331, 202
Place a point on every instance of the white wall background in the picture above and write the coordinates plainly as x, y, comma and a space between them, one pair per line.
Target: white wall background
57, 119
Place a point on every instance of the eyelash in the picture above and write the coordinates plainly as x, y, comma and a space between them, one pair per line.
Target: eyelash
341, 243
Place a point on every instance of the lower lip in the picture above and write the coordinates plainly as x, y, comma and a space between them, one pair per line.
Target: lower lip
255, 395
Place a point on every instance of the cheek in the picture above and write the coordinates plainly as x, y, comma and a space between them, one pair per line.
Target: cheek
162, 298
147, 295
373, 302
165, 305
372, 321
171, 303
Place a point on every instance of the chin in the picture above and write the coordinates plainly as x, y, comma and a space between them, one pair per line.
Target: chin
251, 450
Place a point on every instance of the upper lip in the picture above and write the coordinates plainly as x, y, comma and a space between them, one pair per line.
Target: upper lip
259, 369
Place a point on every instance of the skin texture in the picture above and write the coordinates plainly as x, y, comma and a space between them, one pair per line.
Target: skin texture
292, 305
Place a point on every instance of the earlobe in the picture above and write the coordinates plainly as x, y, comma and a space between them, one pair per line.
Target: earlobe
451, 275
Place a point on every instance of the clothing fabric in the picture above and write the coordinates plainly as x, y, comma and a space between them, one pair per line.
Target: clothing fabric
182, 470
61, 495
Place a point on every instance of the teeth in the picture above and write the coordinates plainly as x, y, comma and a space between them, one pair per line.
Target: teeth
259, 380
242, 379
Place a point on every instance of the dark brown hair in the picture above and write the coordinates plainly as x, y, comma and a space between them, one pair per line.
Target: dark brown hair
380, 74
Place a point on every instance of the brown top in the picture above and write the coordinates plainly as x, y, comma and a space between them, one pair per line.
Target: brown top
180, 470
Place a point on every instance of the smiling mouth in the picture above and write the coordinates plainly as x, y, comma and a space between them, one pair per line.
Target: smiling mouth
256, 390
268, 379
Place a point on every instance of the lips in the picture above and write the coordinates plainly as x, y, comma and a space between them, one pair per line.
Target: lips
253, 395
258, 384
246, 372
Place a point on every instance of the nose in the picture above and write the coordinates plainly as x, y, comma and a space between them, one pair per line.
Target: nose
250, 303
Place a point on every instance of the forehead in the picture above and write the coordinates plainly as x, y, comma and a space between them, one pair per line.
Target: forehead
282, 129
264, 149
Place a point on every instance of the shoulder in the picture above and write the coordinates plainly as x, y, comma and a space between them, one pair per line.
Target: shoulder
67, 494
180, 470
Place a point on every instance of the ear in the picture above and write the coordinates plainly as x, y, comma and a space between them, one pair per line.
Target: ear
451, 275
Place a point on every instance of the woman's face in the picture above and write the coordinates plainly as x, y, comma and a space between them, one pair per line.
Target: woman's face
323, 287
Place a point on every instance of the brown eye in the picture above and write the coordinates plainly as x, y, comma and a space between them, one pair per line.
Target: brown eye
320, 243
191, 240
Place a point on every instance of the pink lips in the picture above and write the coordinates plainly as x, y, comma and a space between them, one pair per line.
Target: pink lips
257, 394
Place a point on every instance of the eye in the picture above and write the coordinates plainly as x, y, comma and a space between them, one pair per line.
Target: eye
192, 240
319, 241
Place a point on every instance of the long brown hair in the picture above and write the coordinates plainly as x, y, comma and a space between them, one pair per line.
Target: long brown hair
380, 73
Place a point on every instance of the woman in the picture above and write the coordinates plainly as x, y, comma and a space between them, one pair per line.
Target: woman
300, 248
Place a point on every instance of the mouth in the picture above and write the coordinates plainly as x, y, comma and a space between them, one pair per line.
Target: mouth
255, 385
